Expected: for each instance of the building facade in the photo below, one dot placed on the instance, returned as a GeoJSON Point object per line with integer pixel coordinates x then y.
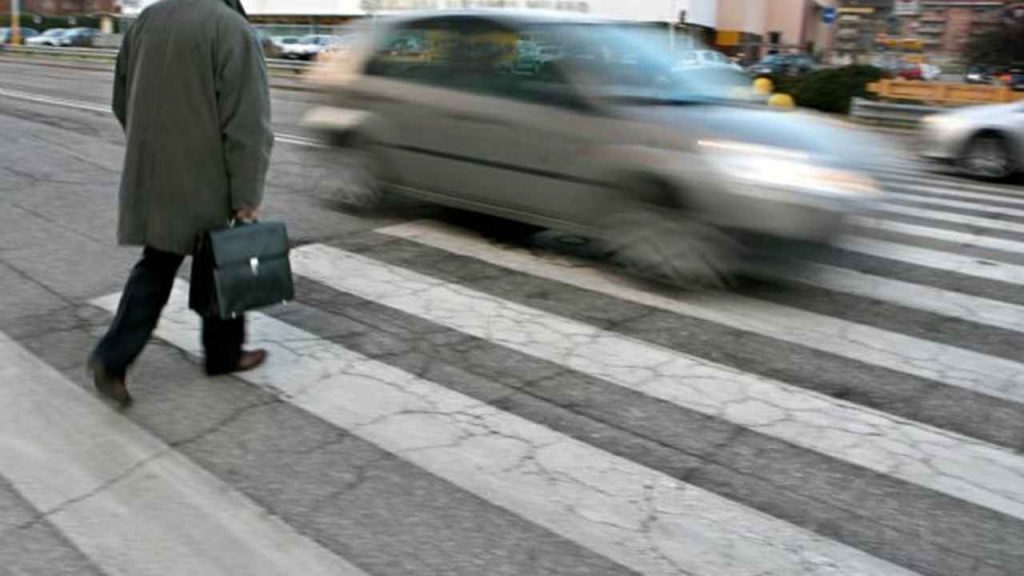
{"type": "Point", "coordinates": [752, 28]}
{"type": "Point", "coordinates": [941, 28]}
{"type": "Point", "coordinates": [946, 26]}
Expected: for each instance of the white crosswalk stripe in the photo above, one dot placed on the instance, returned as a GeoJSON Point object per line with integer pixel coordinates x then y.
{"type": "Point", "coordinates": [946, 203]}
{"type": "Point", "coordinates": [929, 299]}
{"type": "Point", "coordinates": [961, 467]}
{"type": "Point", "coordinates": [131, 503]}
{"type": "Point", "coordinates": [985, 269]}
{"type": "Point", "coordinates": [947, 364]}
{"type": "Point", "coordinates": [645, 520]}
{"type": "Point", "coordinates": [923, 193]}
{"type": "Point", "coordinates": [961, 238]}
{"type": "Point", "coordinates": [953, 217]}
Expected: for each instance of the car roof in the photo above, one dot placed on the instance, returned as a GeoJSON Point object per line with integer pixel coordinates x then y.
{"type": "Point", "coordinates": [515, 16]}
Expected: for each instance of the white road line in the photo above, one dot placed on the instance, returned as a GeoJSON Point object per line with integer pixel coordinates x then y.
{"type": "Point", "coordinates": [980, 373]}
{"type": "Point", "coordinates": [936, 459]}
{"type": "Point", "coordinates": [961, 238]}
{"type": "Point", "coordinates": [935, 259]}
{"type": "Point", "coordinates": [945, 202]}
{"type": "Point", "coordinates": [82, 105]}
{"type": "Point", "coordinates": [917, 296]}
{"type": "Point", "coordinates": [40, 99]}
{"type": "Point", "coordinates": [130, 503]}
{"type": "Point", "coordinates": [943, 216]}
{"type": "Point", "coordinates": [640, 518]}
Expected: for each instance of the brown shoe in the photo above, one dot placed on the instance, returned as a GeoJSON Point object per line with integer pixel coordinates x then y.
{"type": "Point", "coordinates": [248, 360]}
{"type": "Point", "coordinates": [251, 360]}
{"type": "Point", "coordinates": [109, 386]}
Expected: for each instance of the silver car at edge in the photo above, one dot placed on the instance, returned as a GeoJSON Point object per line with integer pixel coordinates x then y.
{"type": "Point", "coordinates": [676, 170]}
{"type": "Point", "coordinates": [983, 141]}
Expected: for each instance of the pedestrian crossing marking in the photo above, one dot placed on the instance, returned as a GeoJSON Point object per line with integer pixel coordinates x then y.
{"type": "Point", "coordinates": [643, 519]}
{"type": "Point", "coordinates": [921, 193]}
{"type": "Point", "coordinates": [917, 296]}
{"type": "Point", "coordinates": [935, 259]}
{"type": "Point", "coordinates": [941, 363]}
{"type": "Point", "coordinates": [952, 217]}
{"type": "Point", "coordinates": [946, 203]}
{"type": "Point", "coordinates": [932, 458]}
{"type": "Point", "coordinates": [129, 502]}
{"type": "Point", "coordinates": [961, 238]}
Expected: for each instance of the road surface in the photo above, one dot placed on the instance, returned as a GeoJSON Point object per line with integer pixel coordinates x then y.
{"type": "Point", "coordinates": [444, 400]}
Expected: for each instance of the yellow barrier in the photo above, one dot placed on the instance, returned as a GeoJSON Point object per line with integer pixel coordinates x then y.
{"type": "Point", "coordinates": [943, 92]}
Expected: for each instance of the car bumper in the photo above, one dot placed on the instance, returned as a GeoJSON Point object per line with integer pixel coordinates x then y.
{"type": "Point", "coordinates": [939, 142]}
{"type": "Point", "coordinates": [783, 213]}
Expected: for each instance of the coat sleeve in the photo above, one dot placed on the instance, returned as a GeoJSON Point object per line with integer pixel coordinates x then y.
{"type": "Point", "coordinates": [120, 100]}
{"type": "Point", "coordinates": [243, 101]}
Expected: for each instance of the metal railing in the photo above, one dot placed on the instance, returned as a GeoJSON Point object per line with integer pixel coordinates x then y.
{"type": "Point", "coordinates": [888, 113]}
{"type": "Point", "coordinates": [110, 55]}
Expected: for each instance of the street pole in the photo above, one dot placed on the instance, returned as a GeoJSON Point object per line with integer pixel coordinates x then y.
{"type": "Point", "coordinates": [16, 22]}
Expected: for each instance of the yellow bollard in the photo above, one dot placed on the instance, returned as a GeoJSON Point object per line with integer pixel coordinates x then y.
{"type": "Point", "coordinates": [784, 101]}
{"type": "Point", "coordinates": [763, 86]}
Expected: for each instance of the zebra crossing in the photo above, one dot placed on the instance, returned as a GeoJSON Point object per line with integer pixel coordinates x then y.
{"type": "Point", "coordinates": [861, 414]}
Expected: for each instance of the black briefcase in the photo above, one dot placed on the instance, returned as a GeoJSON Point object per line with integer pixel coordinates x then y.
{"type": "Point", "coordinates": [241, 268]}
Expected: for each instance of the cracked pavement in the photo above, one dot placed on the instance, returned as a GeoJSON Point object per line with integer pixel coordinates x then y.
{"type": "Point", "coordinates": [448, 399]}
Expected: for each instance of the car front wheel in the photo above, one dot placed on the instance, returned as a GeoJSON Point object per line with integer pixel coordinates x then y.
{"type": "Point", "coordinates": [668, 246]}
{"type": "Point", "coordinates": [987, 156]}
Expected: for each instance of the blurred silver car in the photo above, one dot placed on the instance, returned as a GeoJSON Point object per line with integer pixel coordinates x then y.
{"type": "Point", "coordinates": [982, 141]}
{"type": "Point", "coordinates": [605, 138]}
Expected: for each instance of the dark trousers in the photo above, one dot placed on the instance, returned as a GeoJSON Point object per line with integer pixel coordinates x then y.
{"type": "Point", "coordinates": [145, 295]}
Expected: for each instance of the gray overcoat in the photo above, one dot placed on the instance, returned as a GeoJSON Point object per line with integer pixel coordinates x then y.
{"type": "Point", "coordinates": [191, 93]}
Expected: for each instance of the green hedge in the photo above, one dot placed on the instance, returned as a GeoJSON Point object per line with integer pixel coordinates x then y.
{"type": "Point", "coordinates": [829, 90]}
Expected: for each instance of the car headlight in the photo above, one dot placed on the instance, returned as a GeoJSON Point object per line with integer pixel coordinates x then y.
{"type": "Point", "coordinates": [765, 170]}
{"type": "Point", "coordinates": [940, 121]}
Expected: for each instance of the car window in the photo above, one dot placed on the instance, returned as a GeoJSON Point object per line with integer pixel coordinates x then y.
{"type": "Point", "coordinates": [476, 55]}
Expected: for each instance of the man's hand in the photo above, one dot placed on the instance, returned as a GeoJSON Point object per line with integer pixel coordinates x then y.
{"type": "Point", "coordinates": [247, 214]}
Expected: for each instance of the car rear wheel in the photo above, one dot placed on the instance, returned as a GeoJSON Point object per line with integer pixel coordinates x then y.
{"type": "Point", "coordinates": [668, 246]}
{"type": "Point", "coordinates": [361, 185]}
{"type": "Point", "coordinates": [987, 156]}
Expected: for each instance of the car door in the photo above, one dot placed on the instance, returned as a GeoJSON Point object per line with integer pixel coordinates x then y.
{"type": "Point", "coordinates": [512, 140]}
{"type": "Point", "coordinates": [407, 83]}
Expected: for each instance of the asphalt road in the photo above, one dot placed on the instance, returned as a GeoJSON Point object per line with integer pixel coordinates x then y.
{"type": "Point", "coordinates": [443, 399]}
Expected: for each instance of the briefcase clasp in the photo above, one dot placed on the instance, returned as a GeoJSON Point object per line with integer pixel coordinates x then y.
{"type": "Point", "coordinates": [254, 264]}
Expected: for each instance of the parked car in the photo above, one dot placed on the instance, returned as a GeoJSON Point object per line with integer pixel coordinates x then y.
{"type": "Point", "coordinates": [80, 37]}
{"type": "Point", "coordinates": [705, 58]}
{"type": "Point", "coordinates": [783, 65]}
{"type": "Point", "coordinates": [978, 74]}
{"type": "Point", "coordinates": [982, 141]}
{"type": "Point", "coordinates": [1013, 76]}
{"type": "Point", "coordinates": [7, 35]}
{"type": "Point", "coordinates": [308, 47]}
{"type": "Point", "coordinates": [268, 43]}
{"type": "Point", "coordinates": [908, 71]}
{"type": "Point", "coordinates": [930, 72]}
{"type": "Point", "coordinates": [673, 169]}
{"type": "Point", "coordinates": [52, 37]}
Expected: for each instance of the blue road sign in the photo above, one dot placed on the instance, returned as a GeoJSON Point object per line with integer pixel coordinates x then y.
{"type": "Point", "coordinates": [828, 15]}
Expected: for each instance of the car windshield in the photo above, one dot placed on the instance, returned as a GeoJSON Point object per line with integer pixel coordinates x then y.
{"type": "Point", "coordinates": [636, 63]}
{"type": "Point", "coordinates": [54, 33]}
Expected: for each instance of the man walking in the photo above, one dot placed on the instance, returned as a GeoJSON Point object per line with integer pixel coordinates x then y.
{"type": "Point", "coordinates": [191, 92]}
